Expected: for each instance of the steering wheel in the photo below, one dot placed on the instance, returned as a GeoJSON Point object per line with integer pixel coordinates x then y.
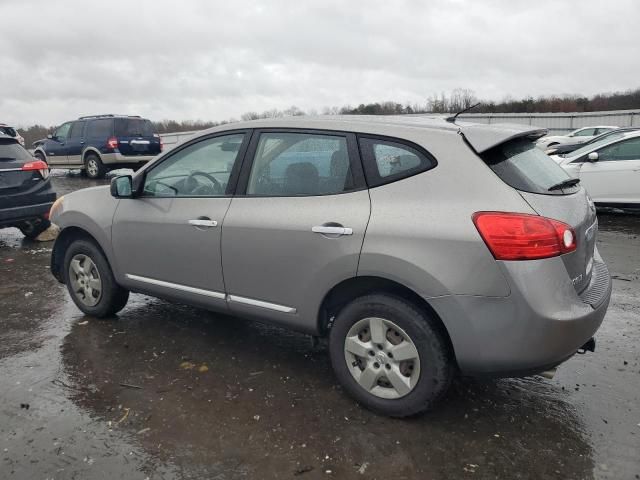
{"type": "Point", "coordinates": [190, 180]}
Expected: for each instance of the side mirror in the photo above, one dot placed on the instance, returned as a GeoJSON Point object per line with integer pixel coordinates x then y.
{"type": "Point", "coordinates": [50, 136]}
{"type": "Point", "coordinates": [593, 157]}
{"type": "Point", "coordinates": [121, 187]}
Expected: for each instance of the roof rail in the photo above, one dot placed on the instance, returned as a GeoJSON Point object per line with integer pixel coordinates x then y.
{"type": "Point", "coordinates": [107, 115]}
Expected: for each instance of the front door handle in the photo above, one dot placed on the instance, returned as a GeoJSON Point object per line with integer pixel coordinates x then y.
{"type": "Point", "coordinates": [202, 222]}
{"type": "Point", "coordinates": [331, 230]}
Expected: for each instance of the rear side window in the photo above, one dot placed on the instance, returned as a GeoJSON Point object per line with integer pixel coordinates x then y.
{"type": "Point", "coordinates": [523, 166]}
{"type": "Point", "coordinates": [289, 164]}
{"type": "Point", "coordinates": [133, 127]}
{"type": "Point", "coordinates": [387, 161]}
{"type": "Point", "coordinates": [100, 128]}
{"type": "Point", "coordinates": [76, 130]}
{"type": "Point", "coordinates": [13, 151]}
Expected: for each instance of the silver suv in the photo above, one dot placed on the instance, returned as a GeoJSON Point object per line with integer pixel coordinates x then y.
{"type": "Point", "coordinates": [421, 248]}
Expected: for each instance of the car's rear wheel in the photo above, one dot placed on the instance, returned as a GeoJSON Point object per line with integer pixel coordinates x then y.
{"type": "Point", "coordinates": [390, 355]}
{"type": "Point", "coordinates": [93, 166]}
{"type": "Point", "coordinates": [90, 280]}
{"type": "Point", "coordinates": [40, 156]}
{"type": "Point", "coordinates": [32, 228]}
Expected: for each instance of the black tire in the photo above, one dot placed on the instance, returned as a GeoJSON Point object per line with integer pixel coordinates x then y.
{"type": "Point", "coordinates": [40, 156]}
{"type": "Point", "coordinates": [93, 166]}
{"type": "Point", "coordinates": [113, 297]}
{"type": "Point", "coordinates": [32, 228]}
{"type": "Point", "coordinates": [436, 361]}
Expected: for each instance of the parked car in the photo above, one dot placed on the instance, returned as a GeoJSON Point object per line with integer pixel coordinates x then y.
{"type": "Point", "coordinates": [99, 143]}
{"type": "Point", "coordinates": [421, 248]}
{"type": "Point", "coordinates": [570, 147]}
{"type": "Point", "coordinates": [580, 135]}
{"type": "Point", "coordinates": [26, 194]}
{"type": "Point", "coordinates": [12, 132]}
{"type": "Point", "coordinates": [609, 169]}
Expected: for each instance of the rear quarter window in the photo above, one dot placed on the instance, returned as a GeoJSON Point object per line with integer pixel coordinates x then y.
{"type": "Point", "coordinates": [100, 128]}
{"type": "Point", "coordinates": [388, 160]}
{"type": "Point", "coordinates": [133, 127]}
{"type": "Point", "coordinates": [523, 166]}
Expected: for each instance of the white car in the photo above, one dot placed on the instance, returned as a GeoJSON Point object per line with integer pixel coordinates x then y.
{"type": "Point", "coordinates": [609, 169]}
{"type": "Point", "coordinates": [577, 136]}
{"type": "Point", "coordinates": [12, 132]}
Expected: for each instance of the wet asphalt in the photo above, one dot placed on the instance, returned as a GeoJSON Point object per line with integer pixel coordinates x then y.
{"type": "Point", "coordinates": [166, 391]}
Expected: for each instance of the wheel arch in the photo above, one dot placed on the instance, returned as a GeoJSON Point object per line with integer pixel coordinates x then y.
{"type": "Point", "coordinates": [40, 150]}
{"type": "Point", "coordinates": [89, 150]}
{"type": "Point", "coordinates": [348, 289]}
{"type": "Point", "coordinates": [65, 238]}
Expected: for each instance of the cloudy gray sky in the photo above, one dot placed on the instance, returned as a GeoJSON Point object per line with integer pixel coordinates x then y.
{"type": "Point", "coordinates": [212, 60]}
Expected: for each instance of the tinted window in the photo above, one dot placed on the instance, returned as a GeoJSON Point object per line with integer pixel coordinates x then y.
{"type": "Point", "coordinates": [625, 150]}
{"type": "Point", "coordinates": [585, 133]}
{"type": "Point", "coordinates": [9, 131]}
{"type": "Point", "coordinates": [13, 151]}
{"type": "Point", "coordinates": [100, 128]}
{"type": "Point", "coordinates": [520, 164]}
{"type": "Point", "coordinates": [63, 131]}
{"type": "Point", "coordinates": [288, 164]}
{"type": "Point", "coordinates": [199, 170]}
{"type": "Point", "coordinates": [387, 161]}
{"type": "Point", "coordinates": [133, 127]}
{"type": "Point", "coordinates": [76, 130]}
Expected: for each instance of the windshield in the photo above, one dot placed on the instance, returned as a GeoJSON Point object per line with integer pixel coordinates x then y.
{"type": "Point", "coordinates": [520, 164]}
{"type": "Point", "coordinates": [597, 144]}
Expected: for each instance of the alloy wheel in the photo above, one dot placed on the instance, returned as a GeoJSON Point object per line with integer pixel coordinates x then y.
{"type": "Point", "coordinates": [85, 280]}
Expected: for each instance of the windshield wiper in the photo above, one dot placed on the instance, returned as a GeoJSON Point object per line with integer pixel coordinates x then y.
{"type": "Point", "coordinates": [569, 182]}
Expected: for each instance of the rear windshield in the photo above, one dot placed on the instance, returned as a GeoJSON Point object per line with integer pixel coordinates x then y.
{"type": "Point", "coordinates": [13, 151]}
{"type": "Point", "coordinates": [9, 131]}
{"type": "Point", "coordinates": [520, 164]}
{"type": "Point", "coordinates": [133, 127]}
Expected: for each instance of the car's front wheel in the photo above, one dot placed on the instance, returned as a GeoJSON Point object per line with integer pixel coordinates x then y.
{"type": "Point", "coordinates": [390, 355]}
{"type": "Point", "coordinates": [90, 280]}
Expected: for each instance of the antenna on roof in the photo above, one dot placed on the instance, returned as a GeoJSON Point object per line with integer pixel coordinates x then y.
{"type": "Point", "coordinates": [452, 119]}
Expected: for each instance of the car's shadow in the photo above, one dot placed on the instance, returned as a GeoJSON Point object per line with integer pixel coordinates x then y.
{"type": "Point", "coordinates": [232, 397]}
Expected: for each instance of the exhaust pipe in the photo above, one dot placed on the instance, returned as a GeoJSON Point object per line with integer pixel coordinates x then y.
{"type": "Point", "coordinates": [549, 374]}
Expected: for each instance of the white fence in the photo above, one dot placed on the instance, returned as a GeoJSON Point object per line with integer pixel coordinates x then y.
{"type": "Point", "coordinates": [560, 122]}
{"type": "Point", "coordinates": [555, 122]}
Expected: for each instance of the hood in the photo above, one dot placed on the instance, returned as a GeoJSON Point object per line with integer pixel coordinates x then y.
{"type": "Point", "coordinates": [482, 137]}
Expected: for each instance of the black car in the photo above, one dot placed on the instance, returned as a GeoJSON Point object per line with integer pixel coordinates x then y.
{"type": "Point", "coordinates": [99, 143]}
{"type": "Point", "coordinates": [26, 194]}
{"type": "Point", "coordinates": [570, 147]}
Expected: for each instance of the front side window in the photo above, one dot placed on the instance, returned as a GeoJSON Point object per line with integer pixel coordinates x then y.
{"type": "Point", "coordinates": [100, 128]}
{"type": "Point", "coordinates": [290, 164]}
{"type": "Point", "coordinates": [625, 150]}
{"type": "Point", "coordinates": [63, 131]}
{"type": "Point", "coordinates": [387, 161]}
{"type": "Point", "coordinates": [202, 169]}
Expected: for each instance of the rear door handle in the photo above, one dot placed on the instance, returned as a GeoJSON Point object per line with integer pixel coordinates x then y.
{"type": "Point", "coordinates": [201, 222]}
{"type": "Point", "coordinates": [332, 230]}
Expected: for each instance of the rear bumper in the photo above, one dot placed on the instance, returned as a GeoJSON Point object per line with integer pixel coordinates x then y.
{"type": "Point", "coordinates": [541, 324]}
{"type": "Point", "coordinates": [14, 215]}
{"type": "Point", "coordinates": [118, 158]}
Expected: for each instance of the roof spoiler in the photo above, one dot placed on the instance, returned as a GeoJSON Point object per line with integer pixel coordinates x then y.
{"type": "Point", "coordinates": [483, 137]}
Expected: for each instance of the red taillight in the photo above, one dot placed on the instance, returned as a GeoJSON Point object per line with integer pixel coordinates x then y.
{"type": "Point", "coordinates": [38, 165]}
{"type": "Point", "coordinates": [519, 236]}
{"type": "Point", "coordinates": [112, 143]}
{"type": "Point", "coordinates": [161, 144]}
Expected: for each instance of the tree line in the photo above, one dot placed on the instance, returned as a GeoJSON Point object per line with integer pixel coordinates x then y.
{"type": "Point", "coordinates": [455, 101]}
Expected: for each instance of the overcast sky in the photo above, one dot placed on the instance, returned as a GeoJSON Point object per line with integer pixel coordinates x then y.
{"type": "Point", "coordinates": [212, 60]}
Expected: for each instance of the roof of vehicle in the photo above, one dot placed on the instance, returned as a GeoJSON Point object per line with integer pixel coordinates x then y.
{"type": "Point", "coordinates": [597, 126]}
{"type": "Point", "coordinates": [625, 135]}
{"type": "Point", "coordinates": [108, 115]}
{"type": "Point", "coordinates": [480, 136]}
